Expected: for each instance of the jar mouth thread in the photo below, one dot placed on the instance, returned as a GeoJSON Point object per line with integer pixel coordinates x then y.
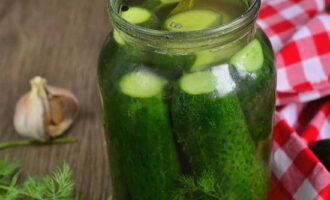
{"type": "Point", "coordinates": [196, 37]}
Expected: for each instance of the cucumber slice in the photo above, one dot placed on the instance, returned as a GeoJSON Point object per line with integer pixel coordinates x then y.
{"type": "Point", "coordinates": [213, 133]}
{"type": "Point", "coordinates": [117, 37]}
{"type": "Point", "coordinates": [136, 15]}
{"type": "Point", "coordinates": [142, 84]}
{"type": "Point", "coordinates": [198, 83]}
{"type": "Point", "coordinates": [192, 20]}
{"type": "Point", "coordinates": [250, 58]}
{"type": "Point", "coordinates": [140, 17]}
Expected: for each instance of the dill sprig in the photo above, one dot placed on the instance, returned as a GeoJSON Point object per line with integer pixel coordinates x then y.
{"type": "Point", "coordinates": [57, 186]}
{"type": "Point", "coordinates": [205, 187]}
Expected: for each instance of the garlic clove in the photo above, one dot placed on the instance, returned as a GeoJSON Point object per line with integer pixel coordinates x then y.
{"type": "Point", "coordinates": [45, 111]}
{"type": "Point", "coordinates": [63, 112]}
{"type": "Point", "coordinates": [29, 114]}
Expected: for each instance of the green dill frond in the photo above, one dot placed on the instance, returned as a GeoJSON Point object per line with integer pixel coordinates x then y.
{"type": "Point", "coordinates": [11, 195]}
{"type": "Point", "coordinates": [7, 170]}
{"type": "Point", "coordinates": [204, 187]}
{"type": "Point", "coordinates": [34, 188]}
{"type": "Point", "coordinates": [207, 182]}
{"type": "Point", "coordinates": [59, 185]}
{"type": "Point", "coordinates": [188, 183]}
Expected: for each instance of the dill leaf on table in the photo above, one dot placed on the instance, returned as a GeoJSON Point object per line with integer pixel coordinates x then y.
{"type": "Point", "coordinates": [7, 170]}
{"type": "Point", "coordinates": [57, 186]}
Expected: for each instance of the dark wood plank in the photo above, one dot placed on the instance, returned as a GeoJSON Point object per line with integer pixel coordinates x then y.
{"type": "Point", "coordinates": [59, 40]}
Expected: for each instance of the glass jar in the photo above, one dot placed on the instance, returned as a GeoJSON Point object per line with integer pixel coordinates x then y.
{"type": "Point", "coordinates": [188, 115]}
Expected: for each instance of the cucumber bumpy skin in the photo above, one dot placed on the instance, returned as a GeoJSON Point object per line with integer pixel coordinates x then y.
{"type": "Point", "coordinates": [141, 141]}
{"type": "Point", "coordinates": [255, 75]}
{"type": "Point", "coordinates": [193, 20]}
{"type": "Point", "coordinates": [213, 134]}
{"type": "Point", "coordinates": [143, 158]}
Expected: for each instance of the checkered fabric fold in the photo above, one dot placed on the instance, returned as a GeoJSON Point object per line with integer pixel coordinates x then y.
{"type": "Point", "coordinates": [300, 34]}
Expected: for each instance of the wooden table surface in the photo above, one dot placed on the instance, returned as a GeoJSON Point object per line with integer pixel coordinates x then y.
{"type": "Point", "coordinates": [59, 40]}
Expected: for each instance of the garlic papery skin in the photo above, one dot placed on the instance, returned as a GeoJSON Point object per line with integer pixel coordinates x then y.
{"type": "Point", "coordinates": [45, 111]}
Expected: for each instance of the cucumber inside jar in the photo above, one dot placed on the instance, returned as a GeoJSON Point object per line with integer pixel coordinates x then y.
{"type": "Point", "coordinates": [254, 73]}
{"type": "Point", "coordinates": [138, 16]}
{"type": "Point", "coordinates": [141, 17]}
{"type": "Point", "coordinates": [157, 5]}
{"type": "Point", "coordinates": [142, 84]}
{"type": "Point", "coordinates": [211, 127]}
{"type": "Point", "coordinates": [184, 21]}
{"type": "Point", "coordinates": [198, 103]}
{"type": "Point", "coordinates": [250, 58]}
{"type": "Point", "coordinates": [193, 20]}
{"type": "Point", "coordinates": [141, 141]}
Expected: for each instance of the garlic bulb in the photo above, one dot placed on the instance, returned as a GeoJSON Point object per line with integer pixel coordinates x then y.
{"type": "Point", "coordinates": [45, 111]}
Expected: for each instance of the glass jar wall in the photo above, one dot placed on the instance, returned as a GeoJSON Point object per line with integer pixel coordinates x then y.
{"type": "Point", "coordinates": [188, 115]}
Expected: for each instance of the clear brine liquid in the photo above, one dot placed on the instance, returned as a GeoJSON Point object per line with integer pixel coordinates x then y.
{"type": "Point", "coordinates": [193, 126]}
{"type": "Point", "coordinates": [228, 9]}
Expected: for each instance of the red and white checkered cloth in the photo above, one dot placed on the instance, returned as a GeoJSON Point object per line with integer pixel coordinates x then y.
{"type": "Point", "coordinates": [300, 34]}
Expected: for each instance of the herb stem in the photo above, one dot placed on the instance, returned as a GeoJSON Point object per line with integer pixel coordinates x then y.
{"type": "Point", "coordinates": [22, 143]}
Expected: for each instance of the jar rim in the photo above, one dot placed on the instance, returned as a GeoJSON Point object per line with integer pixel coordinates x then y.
{"type": "Point", "coordinates": [246, 18]}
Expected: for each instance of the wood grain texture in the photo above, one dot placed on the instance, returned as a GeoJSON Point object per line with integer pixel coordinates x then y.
{"type": "Point", "coordinates": [59, 40]}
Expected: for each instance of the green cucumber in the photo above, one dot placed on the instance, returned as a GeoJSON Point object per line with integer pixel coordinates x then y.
{"type": "Point", "coordinates": [141, 17]}
{"type": "Point", "coordinates": [198, 83]}
{"type": "Point", "coordinates": [161, 7]}
{"type": "Point", "coordinates": [205, 59]}
{"type": "Point", "coordinates": [171, 65]}
{"type": "Point", "coordinates": [140, 137]}
{"type": "Point", "coordinates": [250, 58]}
{"type": "Point", "coordinates": [213, 57]}
{"type": "Point", "coordinates": [159, 4]}
{"type": "Point", "coordinates": [117, 37]}
{"type": "Point", "coordinates": [142, 84]}
{"type": "Point", "coordinates": [192, 20]}
{"type": "Point", "coordinates": [138, 16]}
{"type": "Point", "coordinates": [212, 131]}
{"type": "Point", "coordinates": [112, 57]}
{"type": "Point", "coordinates": [252, 69]}
{"type": "Point", "coordinates": [144, 164]}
